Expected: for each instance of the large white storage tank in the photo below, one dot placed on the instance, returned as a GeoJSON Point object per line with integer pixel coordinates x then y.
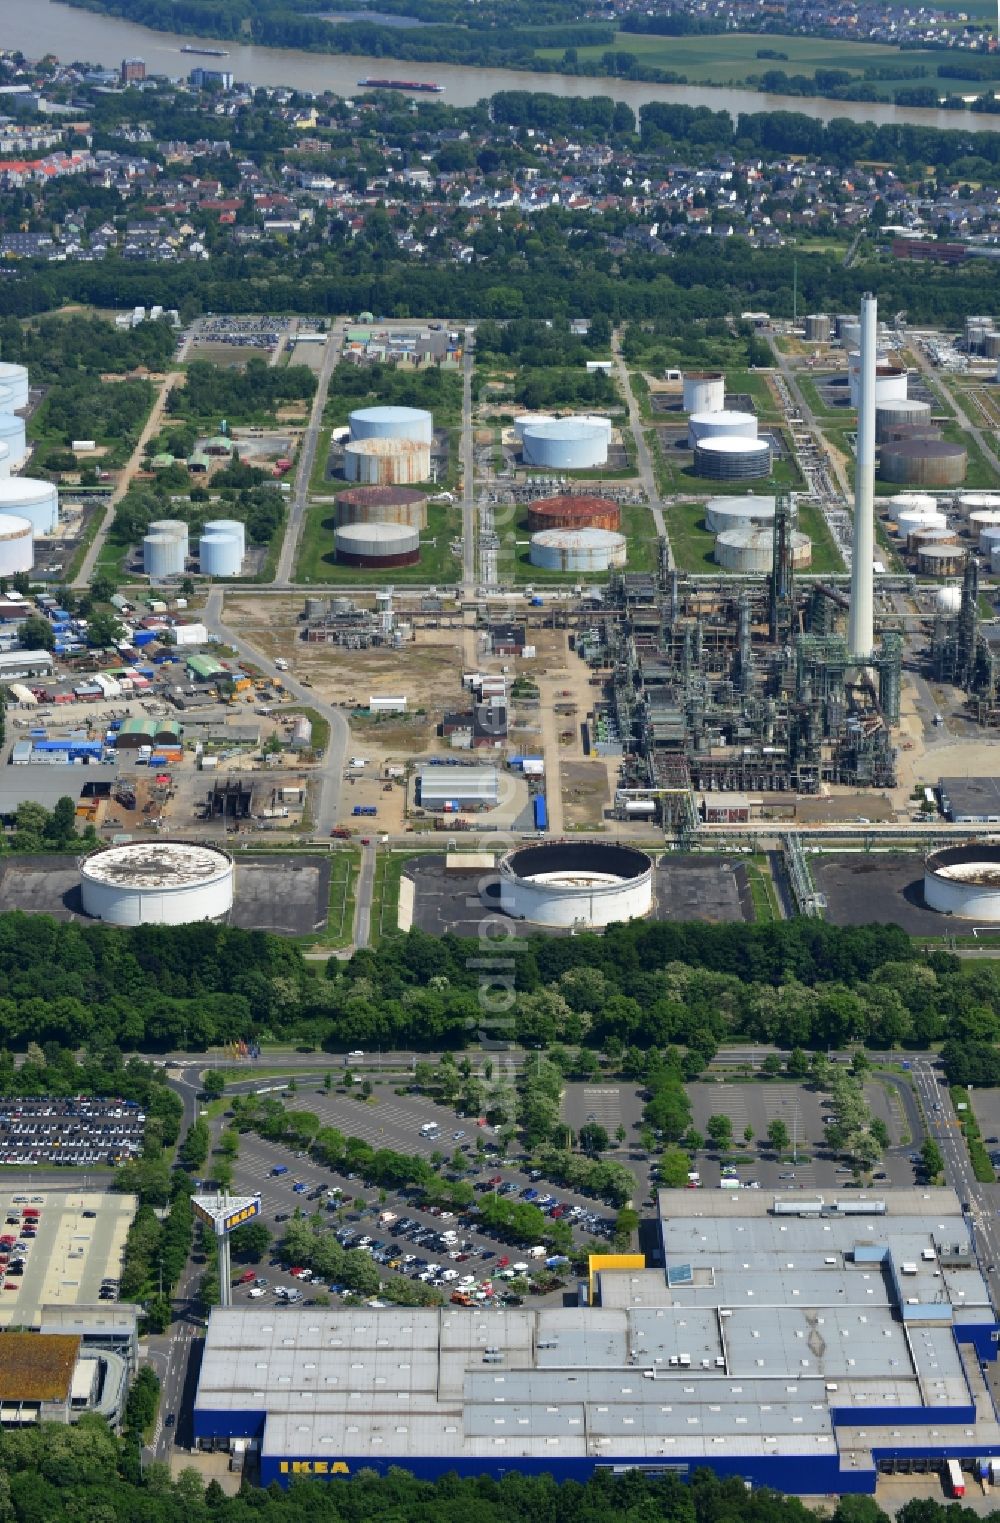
{"type": "Point", "coordinates": [751, 551]}
{"type": "Point", "coordinates": [176, 528]}
{"type": "Point", "coordinates": [909, 522]}
{"type": "Point", "coordinates": [13, 436]}
{"type": "Point", "coordinates": [528, 420]}
{"type": "Point", "coordinates": [723, 513]}
{"type": "Point", "coordinates": [974, 502]}
{"type": "Point", "coordinates": [219, 555]}
{"type": "Point", "coordinates": [17, 546]}
{"type": "Point", "coordinates": [912, 502]}
{"type": "Point", "coordinates": [5, 461]}
{"type": "Point", "coordinates": [378, 545]}
{"type": "Point", "coordinates": [597, 420]}
{"type": "Point", "coordinates": [392, 423]}
{"type": "Point", "coordinates": [568, 444]}
{"type": "Point", "coordinates": [387, 462]}
{"type": "Point", "coordinates": [37, 501]}
{"type": "Point", "coordinates": [982, 519]}
{"type": "Point", "coordinates": [704, 391]}
{"type": "Point", "coordinates": [728, 424]}
{"type": "Point", "coordinates": [964, 881]}
{"type": "Point", "coordinates": [15, 379]}
{"type": "Point", "coordinates": [890, 381]}
{"type": "Point", "coordinates": [731, 458]}
{"type": "Point", "coordinates": [163, 555]}
{"type": "Point", "coordinates": [228, 526]}
{"type": "Point", "coordinates": [577, 549]}
{"type": "Point", "coordinates": [582, 884]}
{"type": "Point", "coordinates": [157, 883]}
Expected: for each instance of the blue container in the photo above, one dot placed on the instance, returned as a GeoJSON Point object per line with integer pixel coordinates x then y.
{"type": "Point", "coordinates": [541, 812]}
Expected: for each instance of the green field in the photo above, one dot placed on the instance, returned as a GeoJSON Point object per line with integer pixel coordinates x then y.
{"type": "Point", "coordinates": [693, 544]}
{"type": "Point", "coordinates": [730, 59]}
{"type": "Point", "coordinates": [316, 561]}
{"type": "Point", "coordinates": [637, 525]}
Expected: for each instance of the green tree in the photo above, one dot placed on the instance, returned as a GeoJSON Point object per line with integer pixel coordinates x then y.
{"type": "Point", "coordinates": [36, 633]}
{"type": "Point", "coordinates": [104, 629]}
{"type": "Point", "coordinates": [720, 1132]}
{"type": "Point", "coordinates": [626, 1226]}
{"type": "Point", "coordinates": [674, 1168]}
{"type": "Point", "coordinates": [777, 1135]}
{"type": "Point", "coordinates": [213, 1084]}
{"type": "Point", "coordinates": [250, 1242]}
{"type": "Point", "coordinates": [771, 1065]}
{"type": "Point", "coordinates": [593, 1138]}
{"type": "Point", "coordinates": [932, 1158]}
{"type": "Point", "coordinates": [748, 1135]}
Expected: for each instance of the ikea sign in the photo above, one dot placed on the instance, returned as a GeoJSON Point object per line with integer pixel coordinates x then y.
{"type": "Point", "coordinates": [314, 1467]}
{"type": "Point", "coordinates": [244, 1214]}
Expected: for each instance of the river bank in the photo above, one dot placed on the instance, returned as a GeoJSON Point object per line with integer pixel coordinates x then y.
{"type": "Point", "coordinates": [77, 35]}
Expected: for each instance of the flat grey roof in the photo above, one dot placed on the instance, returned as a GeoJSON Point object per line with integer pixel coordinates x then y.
{"type": "Point", "coordinates": [971, 798]}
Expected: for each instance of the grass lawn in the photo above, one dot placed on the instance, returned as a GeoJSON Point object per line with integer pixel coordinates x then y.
{"type": "Point", "coordinates": [825, 555]}
{"type": "Point", "coordinates": [344, 866]}
{"type": "Point", "coordinates": [730, 59]}
{"type": "Point", "coordinates": [385, 896]}
{"type": "Point", "coordinates": [320, 726]}
{"type": "Point", "coordinates": [693, 544]}
{"type": "Point", "coordinates": [814, 398]}
{"type": "Point", "coordinates": [762, 891]}
{"type": "Point", "coordinates": [637, 525]}
{"type": "Point", "coordinates": [316, 561]}
{"type": "Point", "coordinates": [753, 383]}
{"type": "Point", "coordinates": [980, 475]}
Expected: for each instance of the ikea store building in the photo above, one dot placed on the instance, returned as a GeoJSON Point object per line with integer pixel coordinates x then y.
{"type": "Point", "coordinates": [800, 1343]}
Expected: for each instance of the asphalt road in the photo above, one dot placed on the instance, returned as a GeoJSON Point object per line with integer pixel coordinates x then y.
{"type": "Point", "coordinates": [307, 455]}
{"type": "Point", "coordinates": [363, 897]}
{"type": "Point", "coordinates": [468, 476]}
{"type": "Point", "coordinates": [644, 464]}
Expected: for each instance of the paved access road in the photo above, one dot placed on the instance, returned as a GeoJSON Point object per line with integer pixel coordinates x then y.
{"type": "Point", "coordinates": [307, 455]}
{"type": "Point", "coordinates": [468, 475]}
{"type": "Point", "coordinates": [644, 464]}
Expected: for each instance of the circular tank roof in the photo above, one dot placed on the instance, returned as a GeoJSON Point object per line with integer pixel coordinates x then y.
{"type": "Point", "coordinates": [924, 449]}
{"type": "Point", "coordinates": [383, 446]}
{"type": "Point", "coordinates": [576, 864]}
{"type": "Point", "coordinates": [578, 539]}
{"type": "Point", "coordinates": [733, 444]}
{"type": "Point", "coordinates": [973, 862]}
{"type": "Point", "coordinates": [572, 506]}
{"type": "Point", "coordinates": [156, 864]}
{"type": "Point", "coordinates": [566, 428]}
{"type": "Point", "coordinates": [724, 418]}
{"type": "Point", "coordinates": [390, 414]}
{"type": "Point", "coordinates": [12, 527]}
{"type": "Point", "coordinates": [26, 489]}
{"type": "Point", "coordinates": [380, 497]}
{"type": "Point", "coordinates": [388, 533]}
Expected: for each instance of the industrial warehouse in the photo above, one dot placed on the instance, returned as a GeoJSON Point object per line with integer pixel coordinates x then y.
{"type": "Point", "coordinates": [799, 1342]}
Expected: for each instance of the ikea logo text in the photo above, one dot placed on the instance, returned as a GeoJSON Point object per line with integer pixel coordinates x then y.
{"type": "Point", "coordinates": [314, 1467]}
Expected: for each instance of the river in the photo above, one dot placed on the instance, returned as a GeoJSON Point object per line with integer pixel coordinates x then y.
{"type": "Point", "coordinates": [44, 26]}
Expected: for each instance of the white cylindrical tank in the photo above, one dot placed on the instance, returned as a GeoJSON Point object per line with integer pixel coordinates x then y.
{"type": "Point", "coordinates": [597, 420]}
{"type": "Point", "coordinates": [973, 502]}
{"type": "Point", "coordinates": [567, 444]}
{"type": "Point", "coordinates": [751, 551]}
{"type": "Point", "coordinates": [157, 883]}
{"type": "Point", "coordinates": [378, 545]}
{"type": "Point", "coordinates": [732, 459]}
{"type": "Point", "coordinates": [989, 537]}
{"type": "Point", "coordinates": [723, 513]}
{"type": "Point", "coordinates": [849, 332]}
{"type": "Point", "coordinates": [912, 502]}
{"type": "Point", "coordinates": [704, 391]}
{"type": "Point", "coordinates": [13, 436]}
{"type": "Point", "coordinates": [392, 423]}
{"type": "Point", "coordinates": [582, 884]}
{"type": "Point", "coordinates": [948, 599]}
{"type": "Point", "coordinates": [38, 501]}
{"type": "Point", "coordinates": [17, 547]}
{"type": "Point", "coordinates": [176, 528]}
{"type": "Point", "coordinates": [965, 881]}
{"type": "Point", "coordinates": [163, 555]}
{"type": "Point", "coordinates": [577, 549]}
{"type": "Point", "coordinates": [909, 522]}
{"type": "Point", "coordinates": [528, 420]}
{"type": "Point", "coordinates": [983, 519]}
{"type": "Point", "coordinates": [228, 526]}
{"type": "Point", "coordinates": [890, 380]}
{"type": "Point", "coordinates": [721, 425]}
{"type": "Point", "coordinates": [5, 461]}
{"type": "Point", "coordinates": [219, 555]}
{"type": "Point", "coordinates": [387, 462]}
{"type": "Point", "coordinates": [15, 378]}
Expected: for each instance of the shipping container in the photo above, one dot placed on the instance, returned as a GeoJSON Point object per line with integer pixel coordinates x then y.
{"type": "Point", "coordinates": [955, 1478]}
{"type": "Point", "coordinates": [541, 812]}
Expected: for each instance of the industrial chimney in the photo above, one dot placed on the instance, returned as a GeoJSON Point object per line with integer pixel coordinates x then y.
{"type": "Point", "coordinates": [861, 620]}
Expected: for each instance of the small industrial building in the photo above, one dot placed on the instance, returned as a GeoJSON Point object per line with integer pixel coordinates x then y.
{"type": "Point", "coordinates": [506, 639]}
{"type": "Point", "coordinates": [448, 788]}
{"type": "Point", "coordinates": [15, 665]}
{"type": "Point", "coordinates": [804, 1342]}
{"type": "Point", "coordinates": [970, 800]}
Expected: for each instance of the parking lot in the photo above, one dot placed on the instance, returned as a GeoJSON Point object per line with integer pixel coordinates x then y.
{"type": "Point", "coordinates": [63, 1253]}
{"type": "Point", "coordinates": [395, 1122]}
{"type": "Point", "coordinates": [78, 1132]}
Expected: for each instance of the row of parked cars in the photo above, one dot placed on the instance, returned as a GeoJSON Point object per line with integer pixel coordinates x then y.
{"type": "Point", "coordinates": [82, 1130]}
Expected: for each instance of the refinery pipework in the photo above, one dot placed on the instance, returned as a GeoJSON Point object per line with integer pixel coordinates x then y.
{"type": "Point", "coordinates": [861, 621]}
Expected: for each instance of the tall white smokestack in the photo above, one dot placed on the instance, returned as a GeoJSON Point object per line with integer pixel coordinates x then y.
{"type": "Point", "coordinates": [861, 623]}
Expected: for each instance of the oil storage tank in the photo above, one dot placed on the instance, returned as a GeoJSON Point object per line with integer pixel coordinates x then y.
{"type": "Point", "coordinates": [930, 534]}
{"type": "Point", "coordinates": [732, 459]}
{"type": "Point", "coordinates": [392, 423]}
{"type": "Point", "coordinates": [17, 547]}
{"type": "Point", "coordinates": [704, 391]}
{"type": "Point", "coordinates": [377, 545]}
{"type": "Point", "coordinates": [228, 526]}
{"type": "Point", "coordinates": [923, 462]}
{"type": "Point", "coordinates": [890, 381]}
{"type": "Point", "coordinates": [965, 881]}
{"type": "Point", "coordinates": [174, 528]}
{"type": "Point", "coordinates": [577, 550]}
{"type": "Point", "coordinates": [15, 379]}
{"type": "Point", "coordinates": [38, 501]}
{"type": "Point", "coordinates": [895, 414]}
{"type": "Point", "coordinates": [13, 436]}
{"type": "Point", "coordinates": [982, 519]}
{"type": "Point", "coordinates": [751, 551]}
{"type": "Point", "coordinates": [721, 425]}
{"type": "Point", "coordinates": [567, 444]}
{"type": "Point", "coordinates": [570, 511]}
{"type": "Point", "coordinates": [723, 513]}
{"type": "Point", "coordinates": [380, 461]}
{"type": "Point", "coordinates": [163, 555]}
{"type": "Point", "coordinates": [219, 555]}
{"type": "Point", "coordinates": [382, 505]}
{"type": "Point", "coordinates": [940, 560]}
{"type": "Point", "coordinates": [972, 502]}
{"type": "Point", "coordinates": [911, 521]}
{"type": "Point", "coordinates": [817, 329]}
{"type": "Point", "coordinates": [582, 884]}
{"type": "Point", "coordinates": [157, 883]}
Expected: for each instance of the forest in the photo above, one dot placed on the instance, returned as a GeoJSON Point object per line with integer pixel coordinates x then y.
{"type": "Point", "coordinates": [251, 395]}
{"type": "Point", "coordinates": [83, 1474]}
{"type": "Point", "coordinates": [800, 983]}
